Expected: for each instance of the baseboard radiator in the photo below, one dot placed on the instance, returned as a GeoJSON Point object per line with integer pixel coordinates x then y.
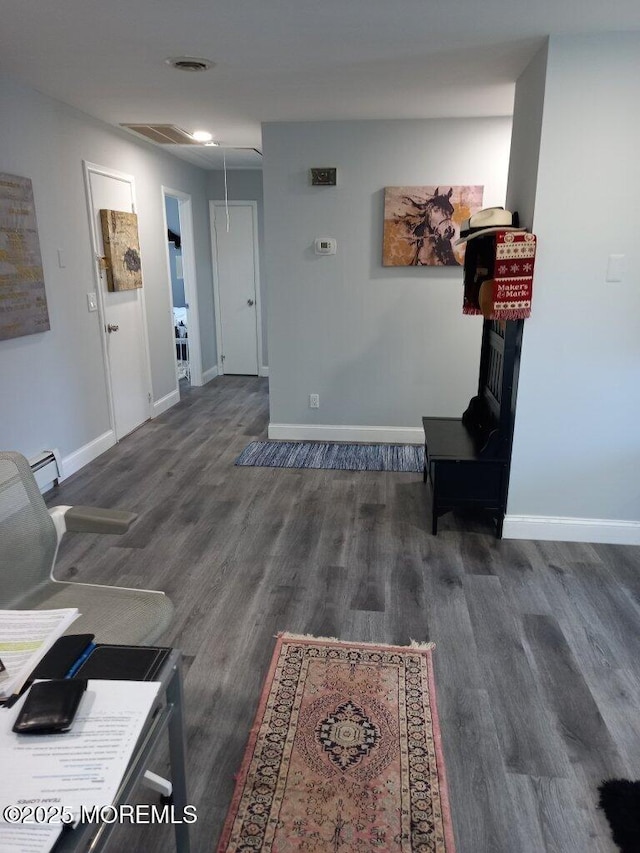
{"type": "Point", "coordinates": [47, 469]}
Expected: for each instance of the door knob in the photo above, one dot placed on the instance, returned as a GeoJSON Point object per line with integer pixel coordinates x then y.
{"type": "Point", "coordinates": [249, 301]}
{"type": "Point", "coordinates": [111, 327]}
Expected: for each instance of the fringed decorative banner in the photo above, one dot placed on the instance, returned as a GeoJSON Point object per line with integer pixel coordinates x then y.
{"type": "Point", "coordinates": [513, 276]}
{"type": "Point", "coordinates": [498, 280]}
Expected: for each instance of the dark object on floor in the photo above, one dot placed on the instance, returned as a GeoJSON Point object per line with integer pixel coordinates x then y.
{"type": "Point", "coordinates": [620, 801]}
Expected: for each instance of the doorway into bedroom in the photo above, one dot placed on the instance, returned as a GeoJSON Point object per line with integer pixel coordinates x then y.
{"type": "Point", "coordinates": [180, 261]}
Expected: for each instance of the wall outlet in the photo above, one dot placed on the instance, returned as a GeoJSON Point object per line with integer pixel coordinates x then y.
{"type": "Point", "coordinates": [314, 401]}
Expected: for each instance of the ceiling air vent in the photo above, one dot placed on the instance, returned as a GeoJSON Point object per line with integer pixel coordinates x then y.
{"type": "Point", "coordinates": [189, 63]}
{"type": "Point", "coordinates": [162, 134]}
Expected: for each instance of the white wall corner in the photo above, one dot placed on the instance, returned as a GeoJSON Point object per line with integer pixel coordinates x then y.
{"type": "Point", "coordinates": [558, 529]}
{"type": "Point", "coordinates": [166, 402]}
{"type": "Point", "coordinates": [330, 432]}
{"type": "Point", "coordinates": [208, 375]}
{"type": "Point", "coordinates": [79, 458]}
{"type": "Point", "coordinates": [263, 370]}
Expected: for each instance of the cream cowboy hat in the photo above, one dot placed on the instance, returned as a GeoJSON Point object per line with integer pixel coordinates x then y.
{"type": "Point", "coordinates": [488, 221]}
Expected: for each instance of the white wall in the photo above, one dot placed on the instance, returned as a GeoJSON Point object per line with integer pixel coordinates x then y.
{"type": "Point", "coordinates": [525, 139]}
{"type": "Point", "coordinates": [52, 385]}
{"type": "Point", "coordinates": [381, 346]}
{"type": "Point", "coordinates": [246, 185]}
{"type": "Point", "coordinates": [576, 452]}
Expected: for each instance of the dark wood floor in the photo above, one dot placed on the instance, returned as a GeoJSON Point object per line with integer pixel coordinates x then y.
{"type": "Point", "coordinates": [537, 644]}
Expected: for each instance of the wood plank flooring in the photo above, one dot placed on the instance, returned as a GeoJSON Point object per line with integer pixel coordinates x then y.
{"type": "Point", "coordinates": [537, 644]}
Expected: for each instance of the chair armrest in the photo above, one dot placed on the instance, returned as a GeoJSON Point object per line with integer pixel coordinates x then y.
{"type": "Point", "coordinates": [90, 519]}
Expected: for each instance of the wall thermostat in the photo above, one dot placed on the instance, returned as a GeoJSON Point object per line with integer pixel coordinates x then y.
{"type": "Point", "coordinates": [325, 246]}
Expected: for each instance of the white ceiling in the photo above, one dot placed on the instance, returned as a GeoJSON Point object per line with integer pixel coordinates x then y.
{"type": "Point", "coordinates": [286, 60]}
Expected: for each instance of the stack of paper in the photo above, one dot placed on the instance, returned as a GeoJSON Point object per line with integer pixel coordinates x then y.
{"type": "Point", "coordinates": [82, 767]}
{"type": "Point", "coordinates": [28, 838]}
{"type": "Point", "coordinates": [25, 637]}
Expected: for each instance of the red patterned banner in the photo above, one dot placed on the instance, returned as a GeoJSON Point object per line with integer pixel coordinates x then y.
{"type": "Point", "coordinates": [513, 276]}
{"type": "Point", "coordinates": [507, 295]}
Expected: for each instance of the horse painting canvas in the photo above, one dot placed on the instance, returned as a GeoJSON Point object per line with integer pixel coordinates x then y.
{"type": "Point", "coordinates": [421, 224]}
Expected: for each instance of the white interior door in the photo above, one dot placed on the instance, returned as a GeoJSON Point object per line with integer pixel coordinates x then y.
{"type": "Point", "coordinates": [235, 254]}
{"type": "Point", "coordinates": [122, 312]}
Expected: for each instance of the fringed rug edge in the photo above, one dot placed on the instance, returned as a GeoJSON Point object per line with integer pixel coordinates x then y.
{"type": "Point", "coordinates": [413, 644]}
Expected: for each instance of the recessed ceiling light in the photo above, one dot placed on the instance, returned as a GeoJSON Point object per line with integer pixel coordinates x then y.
{"type": "Point", "coordinates": [189, 63]}
{"type": "Point", "coordinates": [202, 135]}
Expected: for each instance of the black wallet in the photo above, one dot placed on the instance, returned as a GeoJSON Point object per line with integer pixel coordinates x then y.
{"type": "Point", "coordinates": [61, 657]}
{"type": "Point", "coordinates": [50, 706]}
{"type": "Point", "coordinates": [124, 663]}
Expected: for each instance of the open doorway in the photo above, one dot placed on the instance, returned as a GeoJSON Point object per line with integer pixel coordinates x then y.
{"type": "Point", "coordinates": [181, 272]}
{"type": "Point", "coordinates": [178, 298]}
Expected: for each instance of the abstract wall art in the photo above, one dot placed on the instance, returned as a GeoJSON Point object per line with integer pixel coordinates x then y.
{"type": "Point", "coordinates": [121, 249]}
{"type": "Point", "coordinates": [23, 301]}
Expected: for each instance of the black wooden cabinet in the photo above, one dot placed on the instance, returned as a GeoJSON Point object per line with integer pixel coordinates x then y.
{"type": "Point", "coordinates": [467, 459]}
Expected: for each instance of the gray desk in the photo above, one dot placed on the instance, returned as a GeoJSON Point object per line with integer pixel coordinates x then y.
{"type": "Point", "coordinates": [167, 715]}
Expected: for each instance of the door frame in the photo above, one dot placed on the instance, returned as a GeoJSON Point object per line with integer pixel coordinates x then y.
{"type": "Point", "coordinates": [216, 280]}
{"type": "Point", "coordinates": [87, 169]}
{"type": "Point", "coordinates": [185, 212]}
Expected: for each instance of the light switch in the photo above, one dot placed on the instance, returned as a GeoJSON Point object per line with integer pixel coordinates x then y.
{"type": "Point", "coordinates": [92, 302]}
{"type": "Point", "coordinates": [616, 267]}
{"type": "Point", "coordinates": [62, 263]}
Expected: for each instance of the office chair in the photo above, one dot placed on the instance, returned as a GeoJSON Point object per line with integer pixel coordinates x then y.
{"type": "Point", "coordinates": [29, 539]}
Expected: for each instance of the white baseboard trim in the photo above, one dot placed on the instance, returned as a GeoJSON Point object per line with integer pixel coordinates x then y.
{"type": "Point", "coordinates": [329, 432]}
{"type": "Point", "coordinates": [166, 402]}
{"type": "Point", "coordinates": [208, 375]}
{"type": "Point", "coordinates": [263, 370]}
{"type": "Point", "coordinates": [558, 529]}
{"type": "Point", "coordinates": [79, 458]}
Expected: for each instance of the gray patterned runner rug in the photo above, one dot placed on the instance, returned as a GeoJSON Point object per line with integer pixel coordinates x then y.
{"type": "Point", "coordinates": [407, 458]}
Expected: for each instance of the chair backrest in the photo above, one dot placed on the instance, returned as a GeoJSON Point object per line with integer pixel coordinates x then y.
{"type": "Point", "coordinates": [28, 538]}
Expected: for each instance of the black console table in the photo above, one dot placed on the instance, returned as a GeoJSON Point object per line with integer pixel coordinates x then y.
{"type": "Point", "coordinates": [467, 459]}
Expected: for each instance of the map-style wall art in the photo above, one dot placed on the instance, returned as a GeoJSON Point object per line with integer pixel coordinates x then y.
{"type": "Point", "coordinates": [23, 301]}
{"type": "Point", "coordinates": [121, 249]}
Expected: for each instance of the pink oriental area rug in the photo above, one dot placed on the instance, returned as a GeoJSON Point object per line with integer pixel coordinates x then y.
{"type": "Point", "coordinates": [344, 755]}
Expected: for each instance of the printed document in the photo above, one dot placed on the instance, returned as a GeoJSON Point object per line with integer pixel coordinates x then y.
{"type": "Point", "coordinates": [18, 838]}
{"type": "Point", "coordinates": [84, 766]}
{"type": "Point", "coordinates": [25, 637]}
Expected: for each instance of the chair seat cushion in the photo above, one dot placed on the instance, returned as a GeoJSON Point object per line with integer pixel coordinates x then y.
{"type": "Point", "coordinates": [113, 614]}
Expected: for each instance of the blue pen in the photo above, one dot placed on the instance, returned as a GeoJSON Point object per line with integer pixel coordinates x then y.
{"type": "Point", "coordinates": [85, 654]}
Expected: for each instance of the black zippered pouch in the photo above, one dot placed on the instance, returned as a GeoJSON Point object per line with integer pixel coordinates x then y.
{"type": "Point", "coordinates": [50, 706]}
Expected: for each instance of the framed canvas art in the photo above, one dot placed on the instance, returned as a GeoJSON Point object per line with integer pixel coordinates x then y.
{"type": "Point", "coordinates": [23, 301]}
{"type": "Point", "coordinates": [121, 249]}
{"type": "Point", "coordinates": [422, 224]}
